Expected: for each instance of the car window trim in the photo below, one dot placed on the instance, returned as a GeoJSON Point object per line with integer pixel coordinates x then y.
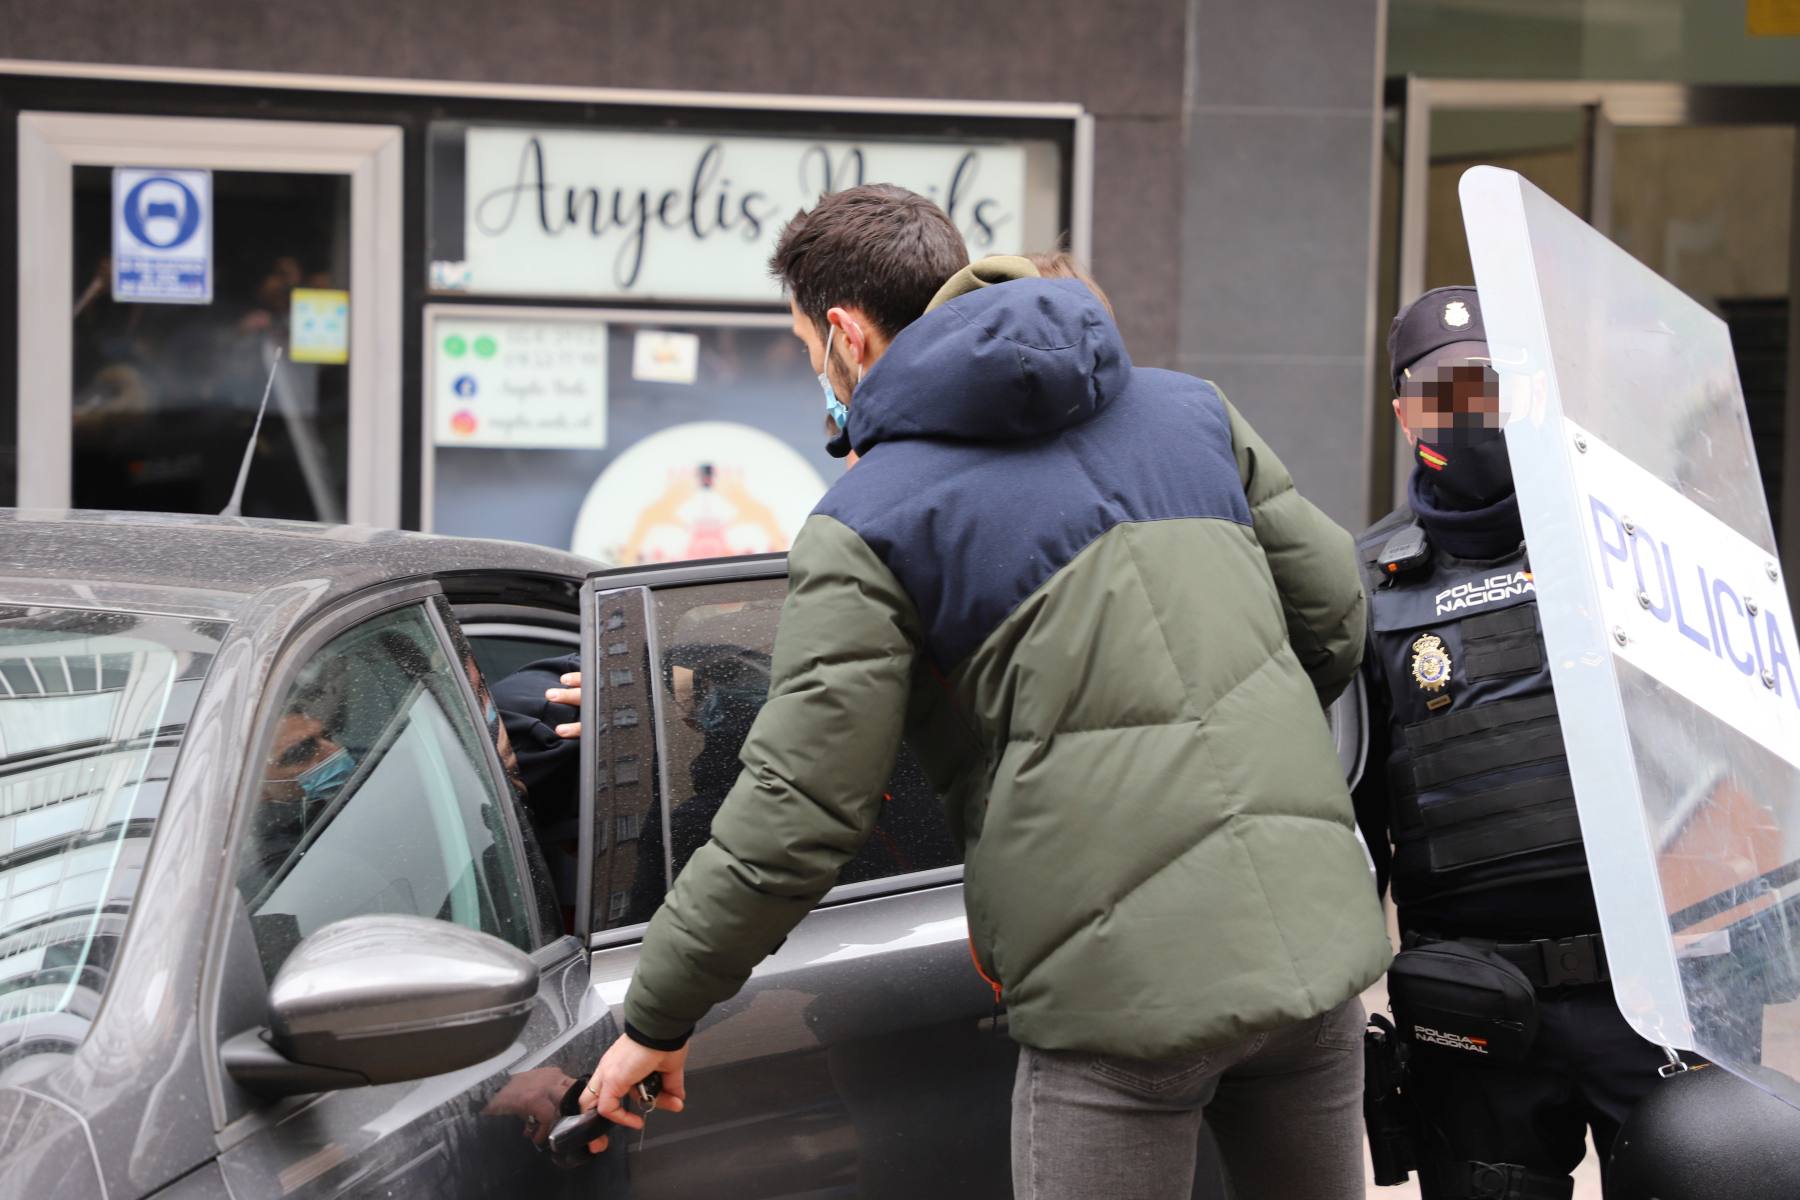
{"type": "Point", "coordinates": [510, 804]}
{"type": "Point", "coordinates": [659, 735]}
{"type": "Point", "coordinates": [586, 804]}
{"type": "Point", "coordinates": [887, 885]}
{"type": "Point", "coordinates": [476, 612]}
{"type": "Point", "coordinates": [843, 893]}
{"type": "Point", "coordinates": [523, 633]}
{"type": "Point", "coordinates": [711, 570]}
{"type": "Point", "coordinates": [290, 660]}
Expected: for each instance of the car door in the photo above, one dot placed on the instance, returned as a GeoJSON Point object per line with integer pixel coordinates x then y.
{"type": "Point", "coordinates": [377, 785]}
{"type": "Point", "coordinates": [866, 1057]}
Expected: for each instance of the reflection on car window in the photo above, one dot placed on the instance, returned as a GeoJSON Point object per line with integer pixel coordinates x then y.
{"type": "Point", "coordinates": [553, 919]}
{"type": "Point", "coordinates": [628, 845]}
{"type": "Point", "coordinates": [376, 797]}
{"type": "Point", "coordinates": [93, 706]}
{"type": "Point", "coordinates": [717, 641]}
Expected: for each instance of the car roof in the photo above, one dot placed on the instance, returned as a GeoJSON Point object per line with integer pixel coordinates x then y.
{"type": "Point", "coordinates": [213, 567]}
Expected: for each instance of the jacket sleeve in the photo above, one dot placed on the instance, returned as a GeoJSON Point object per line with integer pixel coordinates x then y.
{"type": "Point", "coordinates": [814, 769]}
{"type": "Point", "coordinates": [1313, 561]}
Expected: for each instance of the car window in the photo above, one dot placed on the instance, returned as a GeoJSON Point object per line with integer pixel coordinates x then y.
{"type": "Point", "coordinates": [93, 709]}
{"type": "Point", "coordinates": [376, 797]}
{"type": "Point", "coordinates": [713, 674]}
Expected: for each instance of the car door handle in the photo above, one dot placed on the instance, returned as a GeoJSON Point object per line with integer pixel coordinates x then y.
{"type": "Point", "coordinates": [570, 1136]}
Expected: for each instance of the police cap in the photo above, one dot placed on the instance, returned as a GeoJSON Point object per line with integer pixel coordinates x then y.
{"type": "Point", "coordinates": [1440, 319]}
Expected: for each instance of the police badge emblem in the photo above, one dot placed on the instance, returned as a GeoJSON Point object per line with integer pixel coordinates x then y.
{"type": "Point", "coordinates": [1456, 314]}
{"type": "Point", "coordinates": [1431, 663]}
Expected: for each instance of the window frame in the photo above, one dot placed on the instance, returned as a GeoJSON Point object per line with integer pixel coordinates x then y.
{"type": "Point", "coordinates": [647, 582]}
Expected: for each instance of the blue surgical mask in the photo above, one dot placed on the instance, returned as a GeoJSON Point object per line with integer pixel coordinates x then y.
{"type": "Point", "coordinates": [321, 781]}
{"type": "Point", "coordinates": [836, 409]}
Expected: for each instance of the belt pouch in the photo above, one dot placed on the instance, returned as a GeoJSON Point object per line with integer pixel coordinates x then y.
{"type": "Point", "coordinates": [1462, 999]}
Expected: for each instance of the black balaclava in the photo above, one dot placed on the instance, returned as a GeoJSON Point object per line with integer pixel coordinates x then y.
{"type": "Point", "coordinates": [1466, 464]}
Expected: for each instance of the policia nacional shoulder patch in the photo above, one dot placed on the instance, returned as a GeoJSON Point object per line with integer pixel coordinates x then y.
{"type": "Point", "coordinates": [1431, 664]}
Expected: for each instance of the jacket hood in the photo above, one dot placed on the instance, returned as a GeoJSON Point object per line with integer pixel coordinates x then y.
{"type": "Point", "coordinates": [1013, 362]}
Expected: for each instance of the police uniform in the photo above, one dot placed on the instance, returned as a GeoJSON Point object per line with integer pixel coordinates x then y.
{"type": "Point", "coordinates": [1467, 804]}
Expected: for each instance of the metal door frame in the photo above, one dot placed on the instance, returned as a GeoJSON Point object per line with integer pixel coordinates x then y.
{"type": "Point", "coordinates": [52, 145]}
{"type": "Point", "coordinates": [1609, 107]}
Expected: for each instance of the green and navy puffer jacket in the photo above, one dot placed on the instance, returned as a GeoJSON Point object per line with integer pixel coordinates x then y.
{"type": "Point", "coordinates": [1095, 601]}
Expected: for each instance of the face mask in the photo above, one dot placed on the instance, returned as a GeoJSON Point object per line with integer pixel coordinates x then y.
{"type": "Point", "coordinates": [1468, 467]}
{"type": "Point", "coordinates": [836, 409]}
{"type": "Point", "coordinates": [322, 780]}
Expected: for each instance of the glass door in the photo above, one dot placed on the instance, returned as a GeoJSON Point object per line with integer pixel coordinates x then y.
{"type": "Point", "coordinates": [176, 269]}
{"type": "Point", "coordinates": [1696, 182]}
{"type": "Point", "coordinates": [1710, 208]}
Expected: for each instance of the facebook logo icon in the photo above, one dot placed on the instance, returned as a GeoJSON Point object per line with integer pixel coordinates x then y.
{"type": "Point", "coordinates": [162, 236]}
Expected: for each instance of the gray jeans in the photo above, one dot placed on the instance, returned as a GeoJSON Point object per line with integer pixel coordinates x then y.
{"type": "Point", "coordinates": [1285, 1107]}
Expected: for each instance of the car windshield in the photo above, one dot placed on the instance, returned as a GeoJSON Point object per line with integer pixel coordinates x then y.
{"type": "Point", "coordinates": [93, 706]}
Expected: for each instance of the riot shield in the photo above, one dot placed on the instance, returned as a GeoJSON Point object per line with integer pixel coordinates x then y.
{"type": "Point", "coordinates": [1666, 619]}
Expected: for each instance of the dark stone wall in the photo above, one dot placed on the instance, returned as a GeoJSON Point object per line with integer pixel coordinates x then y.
{"type": "Point", "coordinates": [1278, 220]}
{"type": "Point", "coordinates": [1122, 60]}
{"type": "Point", "coordinates": [1233, 198]}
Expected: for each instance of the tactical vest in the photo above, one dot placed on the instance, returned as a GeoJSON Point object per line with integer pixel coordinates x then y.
{"type": "Point", "coordinates": [1478, 787]}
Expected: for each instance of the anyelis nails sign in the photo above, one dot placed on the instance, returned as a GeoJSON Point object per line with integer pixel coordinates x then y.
{"type": "Point", "coordinates": [676, 216]}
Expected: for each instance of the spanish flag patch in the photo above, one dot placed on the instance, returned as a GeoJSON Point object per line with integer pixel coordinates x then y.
{"type": "Point", "coordinates": [1431, 458]}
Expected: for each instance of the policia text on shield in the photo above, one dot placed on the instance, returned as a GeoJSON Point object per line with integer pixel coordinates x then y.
{"type": "Point", "coordinates": [1513, 1047]}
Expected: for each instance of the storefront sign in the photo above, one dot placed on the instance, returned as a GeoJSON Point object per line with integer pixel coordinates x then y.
{"type": "Point", "coordinates": [319, 326]}
{"type": "Point", "coordinates": [689, 216]}
{"type": "Point", "coordinates": [162, 236]}
{"type": "Point", "coordinates": [709, 489]}
{"type": "Point", "coordinates": [519, 382]}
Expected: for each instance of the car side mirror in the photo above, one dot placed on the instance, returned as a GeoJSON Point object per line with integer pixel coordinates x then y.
{"type": "Point", "coordinates": [382, 999]}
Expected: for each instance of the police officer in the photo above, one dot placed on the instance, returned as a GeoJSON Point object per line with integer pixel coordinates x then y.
{"type": "Point", "coordinates": [1515, 1048]}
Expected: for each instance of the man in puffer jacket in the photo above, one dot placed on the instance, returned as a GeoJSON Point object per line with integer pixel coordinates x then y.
{"type": "Point", "coordinates": [1110, 623]}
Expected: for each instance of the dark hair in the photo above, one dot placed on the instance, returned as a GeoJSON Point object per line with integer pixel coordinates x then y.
{"type": "Point", "coordinates": [1060, 264]}
{"type": "Point", "coordinates": [877, 247]}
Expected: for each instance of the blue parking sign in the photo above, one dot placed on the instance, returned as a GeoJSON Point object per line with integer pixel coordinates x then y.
{"type": "Point", "coordinates": [162, 236]}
